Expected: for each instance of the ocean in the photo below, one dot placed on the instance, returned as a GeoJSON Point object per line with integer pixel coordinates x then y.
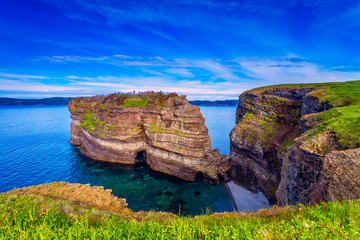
{"type": "Point", "coordinates": [34, 149]}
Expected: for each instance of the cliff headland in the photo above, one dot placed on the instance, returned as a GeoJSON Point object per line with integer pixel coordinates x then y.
{"type": "Point", "coordinates": [296, 143]}
{"type": "Point", "coordinates": [168, 131]}
{"type": "Point", "coordinates": [299, 143]}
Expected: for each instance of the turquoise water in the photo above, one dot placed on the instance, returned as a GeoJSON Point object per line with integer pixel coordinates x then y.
{"type": "Point", "coordinates": [34, 149]}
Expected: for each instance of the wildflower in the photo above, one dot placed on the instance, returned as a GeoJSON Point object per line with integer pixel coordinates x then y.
{"type": "Point", "coordinates": [264, 233]}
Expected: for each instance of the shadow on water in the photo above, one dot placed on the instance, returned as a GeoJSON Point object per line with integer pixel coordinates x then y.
{"type": "Point", "coordinates": [146, 189]}
{"type": "Point", "coordinates": [141, 157]}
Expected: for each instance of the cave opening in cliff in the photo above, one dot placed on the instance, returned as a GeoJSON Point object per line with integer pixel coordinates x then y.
{"type": "Point", "coordinates": [199, 176]}
{"type": "Point", "coordinates": [141, 157]}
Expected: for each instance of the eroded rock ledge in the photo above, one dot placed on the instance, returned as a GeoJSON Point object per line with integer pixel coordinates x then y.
{"type": "Point", "coordinates": [299, 143]}
{"type": "Point", "coordinates": [168, 130]}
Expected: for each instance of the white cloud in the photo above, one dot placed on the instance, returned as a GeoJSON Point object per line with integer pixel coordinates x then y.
{"type": "Point", "coordinates": [278, 70]}
{"type": "Point", "coordinates": [121, 56]}
{"type": "Point", "coordinates": [21, 76]}
{"type": "Point", "coordinates": [182, 72]}
{"type": "Point", "coordinates": [181, 67]}
{"type": "Point", "coordinates": [218, 69]}
{"type": "Point", "coordinates": [13, 85]}
{"type": "Point", "coordinates": [223, 90]}
{"type": "Point", "coordinates": [185, 67]}
{"type": "Point", "coordinates": [215, 79]}
{"type": "Point", "coordinates": [65, 59]}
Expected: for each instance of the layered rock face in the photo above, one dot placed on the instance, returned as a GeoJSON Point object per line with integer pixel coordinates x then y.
{"type": "Point", "coordinates": [298, 144]}
{"type": "Point", "coordinates": [168, 130]}
{"type": "Point", "coordinates": [266, 120]}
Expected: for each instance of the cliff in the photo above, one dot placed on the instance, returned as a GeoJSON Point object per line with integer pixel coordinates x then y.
{"type": "Point", "coordinates": [299, 143]}
{"type": "Point", "coordinates": [165, 128]}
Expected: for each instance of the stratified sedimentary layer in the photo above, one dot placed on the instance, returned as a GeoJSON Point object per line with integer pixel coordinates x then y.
{"type": "Point", "coordinates": [299, 143]}
{"type": "Point", "coordinates": [168, 130]}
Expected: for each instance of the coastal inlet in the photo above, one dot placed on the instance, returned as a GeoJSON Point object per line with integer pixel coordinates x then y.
{"type": "Point", "coordinates": [42, 154]}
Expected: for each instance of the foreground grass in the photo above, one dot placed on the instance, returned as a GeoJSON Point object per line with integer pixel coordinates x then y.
{"type": "Point", "coordinates": [26, 215]}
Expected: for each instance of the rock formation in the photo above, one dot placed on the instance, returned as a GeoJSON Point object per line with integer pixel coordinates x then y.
{"type": "Point", "coordinates": [168, 130]}
{"type": "Point", "coordinates": [299, 143]}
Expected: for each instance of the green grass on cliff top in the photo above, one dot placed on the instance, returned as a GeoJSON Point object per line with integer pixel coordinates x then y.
{"type": "Point", "coordinates": [135, 102]}
{"type": "Point", "coordinates": [343, 120]}
{"type": "Point", "coordinates": [33, 217]}
{"type": "Point", "coordinates": [344, 123]}
{"type": "Point", "coordinates": [140, 99]}
{"type": "Point", "coordinates": [336, 93]}
{"type": "Point", "coordinates": [340, 94]}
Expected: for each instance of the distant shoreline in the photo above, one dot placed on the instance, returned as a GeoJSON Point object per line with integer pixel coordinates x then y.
{"type": "Point", "coordinates": [55, 101]}
{"type": "Point", "coordinates": [63, 101]}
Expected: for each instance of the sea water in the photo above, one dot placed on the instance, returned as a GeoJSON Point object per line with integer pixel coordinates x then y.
{"type": "Point", "coordinates": [35, 149]}
{"type": "Point", "coordinates": [220, 120]}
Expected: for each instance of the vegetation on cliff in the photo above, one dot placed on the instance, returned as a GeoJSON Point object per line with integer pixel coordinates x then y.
{"type": "Point", "coordinates": [288, 137]}
{"type": "Point", "coordinates": [95, 105]}
{"type": "Point", "coordinates": [51, 212]}
{"type": "Point", "coordinates": [166, 127]}
{"type": "Point", "coordinates": [343, 119]}
{"type": "Point", "coordinates": [140, 99]}
{"type": "Point", "coordinates": [342, 99]}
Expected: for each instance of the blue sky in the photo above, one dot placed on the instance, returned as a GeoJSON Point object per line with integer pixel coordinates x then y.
{"type": "Point", "coordinates": [204, 49]}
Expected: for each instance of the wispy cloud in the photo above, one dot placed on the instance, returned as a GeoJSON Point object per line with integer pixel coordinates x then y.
{"type": "Point", "coordinates": [21, 76]}
{"type": "Point", "coordinates": [197, 78]}
{"type": "Point", "coordinates": [121, 56]}
{"type": "Point", "coordinates": [222, 90]}
{"type": "Point", "coordinates": [67, 59]}
{"type": "Point", "coordinates": [219, 70]}
{"type": "Point", "coordinates": [117, 59]}
{"type": "Point", "coordinates": [13, 85]}
{"type": "Point", "coordinates": [292, 70]}
{"type": "Point", "coordinates": [181, 67]}
{"type": "Point", "coordinates": [164, 12]}
{"type": "Point", "coordinates": [182, 72]}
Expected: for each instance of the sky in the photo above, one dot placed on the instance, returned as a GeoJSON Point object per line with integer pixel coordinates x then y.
{"type": "Point", "coordinates": [205, 49]}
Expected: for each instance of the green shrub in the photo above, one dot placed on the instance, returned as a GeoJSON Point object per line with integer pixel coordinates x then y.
{"type": "Point", "coordinates": [88, 122]}
{"type": "Point", "coordinates": [135, 102]}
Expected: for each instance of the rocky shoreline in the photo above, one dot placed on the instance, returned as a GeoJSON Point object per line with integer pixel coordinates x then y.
{"type": "Point", "coordinates": [294, 143]}
{"type": "Point", "coordinates": [165, 127]}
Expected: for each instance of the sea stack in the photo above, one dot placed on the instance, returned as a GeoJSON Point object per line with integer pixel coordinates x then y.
{"type": "Point", "coordinates": [165, 128]}
{"type": "Point", "coordinates": [299, 143]}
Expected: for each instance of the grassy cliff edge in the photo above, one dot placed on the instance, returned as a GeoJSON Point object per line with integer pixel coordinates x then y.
{"type": "Point", "coordinates": [66, 211]}
{"type": "Point", "coordinates": [343, 117]}
{"type": "Point", "coordinates": [75, 211]}
{"type": "Point", "coordinates": [299, 143]}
